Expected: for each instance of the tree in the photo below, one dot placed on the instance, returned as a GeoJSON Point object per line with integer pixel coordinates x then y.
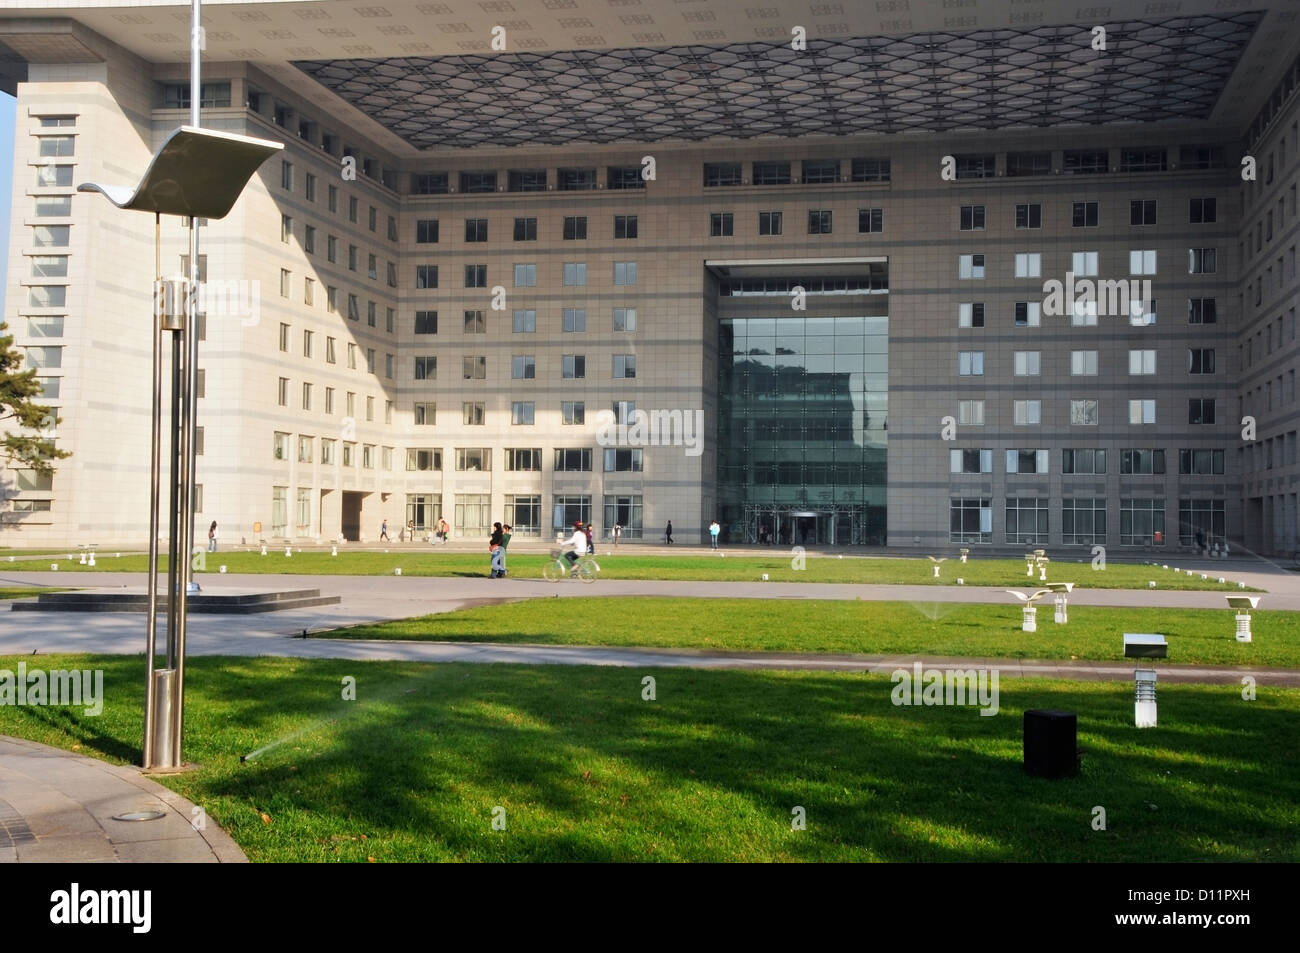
{"type": "Point", "coordinates": [17, 388]}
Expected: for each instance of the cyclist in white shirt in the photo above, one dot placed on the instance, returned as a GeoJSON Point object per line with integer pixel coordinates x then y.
{"type": "Point", "coordinates": [578, 542]}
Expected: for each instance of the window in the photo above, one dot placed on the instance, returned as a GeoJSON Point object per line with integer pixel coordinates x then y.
{"type": "Point", "coordinates": [624, 365]}
{"type": "Point", "coordinates": [970, 314]}
{"type": "Point", "coordinates": [1200, 360]}
{"type": "Point", "coordinates": [625, 319]}
{"type": "Point", "coordinates": [624, 272]}
{"type": "Point", "coordinates": [426, 413]}
{"type": "Point", "coordinates": [326, 450]}
{"type": "Point", "coordinates": [1142, 262]}
{"type": "Point", "coordinates": [1142, 160]}
{"type": "Point", "coordinates": [390, 319]}
{"type": "Point", "coordinates": [1200, 462]}
{"type": "Point", "coordinates": [306, 450]}
{"type": "Point", "coordinates": [282, 392]}
{"type": "Point", "coordinates": [307, 338]}
{"type": "Point", "coordinates": [624, 411]}
{"type": "Point", "coordinates": [388, 365]}
{"type": "Point", "coordinates": [521, 412]}
{"type": "Point", "coordinates": [284, 283]}
{"type": "Point", "coordinates": [1084, 413]}
{"type": "Point", "coordinates": [526, 180]}
{"type": "Point", "coordinates": [353, 206]}
{"type": "Point", "coordinates": [1202, 211]}
{"type": "Point", "coordinates": [971, 520]}
{"type": "Point", "coordinates": [426, 368]}
{"type": "Point", "coordinates": [47, 296]}
{"type": "Point", "coordinates": [426, 231]}
{"type": "Point", "coordinates": [49, 326]}
{"type": "Point", "coordinates": [1142, 212]}
{"type": "Point", "coordinates": [1141, 362]}
{"type": "Point", "coordinates": [819, 222]}
{"type": "Point", "coordinates": [284, 337]}
{"type": "Point", "coordinates": [870, 170]}
{"type": "Point", "coordinates": [1028, 314]}
{"type": "Point", "coordinates": [423, 458]}
{"type": "Point", "coordinates": [771, 173]}
{"type": "Point", "coordinates": [371, 314]}
{"type": "Point", "coordinates": [54, 176]}
{"type": "Point", "coordinates": [476, 276]}
{"type": "Point", "coordinates": [49, 266]}
{"type": "Point", "coordinates": [1029, 265]}
{"type": "Point", "coordinates": [623, 461]}
{"type": "Point", "coordinates": [625, 226]}
{"type": "Point", "coordinates": [523, 367]}
{"type": "Point", "coordinates": [1083, 522]}
{"type": "Point", "coordinates": [525, 229]}
{"type": "Point", "coordinates": [280, 446]}
{"type": "Point", "coordinates": [279, 510]}
{"type": "Point", "coordinates": [970, 461]}
{"type": "Point", "coordinates": [1026, 520]}
{"type": "Point", "coordinates": [572, 461]}
{"type": "Point", "coordinates": [869, 220]}
{"type": "Point", "coordinates": [1141, 412]}
{"type": "Point", "coordinates": [525, 321]}
{"type": "Point", "coordinates": [970, 363]}
{"type": "Point", "coordinates": [1028, 461]}
{"type": "Point", "coordinates": [329, 400]}
{"type": "Point", "coordinates": [370, 408]}
{"type": "Point", "coordinates": [972, 218]}
{"type": "Point", "coordinates": [769, 223]}
{"type": "Point", "coordinates": [624, 177]}
{"type": "Point", "coordinates": [1201, 261]}
{"type": "Point", "coordinates": [721, 174]}
{"type": "Point", "coordinates": [1083, 461]}
{"type": "Point", "coordinates": [429, 183]}
{"type": "Point", "coordinates": [332, 198]}
{"type": "Point", "coordinates": [1027, 363]}
{"type": "Point", "coordinates": [1084, 263]}
{"type": "Point", "coordinates": [475, 183]}
{"type": "Point", "coordinates": [1200, 410]}
{"type": "Point", "coordinates": [970, 412]}
{"type": "Point", "coordinates": [354, 309]}
{"type": "Point", "coordinates": [981, 166]}
{"type": "Point", "coordinates": [970, 266]}
{"type": "Point", "coordinates": [1201, 157]}
{"type": "Point", "coordinates": [59, 122]}
{"type": "Point", "coordinates": [472, 414]}
{"type": "Point", "coordinates": [54, 206]}
{"type": "Point", "coordinates": [574, 319]}
{"type": "Point", "coordinates": [820, 171]}
{"type": "Point", "coordinates": [1029, 163]}
{"type": "Point", "coordinates": [525, 276]}
{"type": "Point", "coordinates": [426, 322]}
{"type": "Point", "coordinates": [523, 460]}
{"type": "Point", "coordinates": [575, 274]}
{"type": "Point", "coordinates": [426, 276]}
{"type": "Point", "coordinates": [1029, 215]}
{"type": "Point", "coordinates": [474, 367]}
{"type": "Point", "coordinates": [575, 228]}
{"type": "Point", "coordinates": [572, 412]}
{"type": "Point", "coordinates": [1085, 162]}
{"type": "Point", "coordinates": [39, 358]}
{"type": "Point", "coordinates": [573, 366]}
{"type": "Point", "coordinates": [721, 224]}
{"type": "Point", "coordinates": [1026, 413]}
{"type": "Point", "coordinates": [1204, 517]}
{"type": "Point", "coordinates": [1083, 363]}
{"type": "Point", "coordinates": [392, 237]}
{"type": "Point", "coordinates": [372, 268]}
{"type": "Point", "coordinates": [1141, 522]}
{"type": "Point", "coordinates": [350, 403]}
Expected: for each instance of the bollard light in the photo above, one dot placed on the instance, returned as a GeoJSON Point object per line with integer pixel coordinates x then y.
{"type": "Point", "coordinates": [961, 581]}
{"type": "Point", "coordinates": [1144, 698]}
{"type": "Point", "coordinates": [54, 567]}
{"type": "Point", "coordinates": [82, 562]}
{"type": "Point", "coordinates": [91, 561]}
{"type": "Point", "coordinates": [1029, 616]}
{"type": "Point", "coordinates": [765, 577]}
{"type": "Point", "coordinates": [288, 551]}
{"type": "Point", "coordinates": [397, 571]}
{"type": "Point", "coordinates": [334, 550]}
{"type": "Point", "coordinates": [223, 569]}
{"type": "Point", "coordinates": [263, 550]}
{"type": "Point", "coordinates": [1151, 584]}
{"type": "Point", "coordinates": [1222, 580]}
{"type": "Point", "coordinates": [1243, 605]}
{"type": "Point", "coordinates": [1062, 605]}
{"type": "Point", "coordinates": [1241, 585]}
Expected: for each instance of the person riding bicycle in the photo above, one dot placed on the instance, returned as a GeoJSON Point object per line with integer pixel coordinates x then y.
{"type": "Point", "coordinates": [578, 542]}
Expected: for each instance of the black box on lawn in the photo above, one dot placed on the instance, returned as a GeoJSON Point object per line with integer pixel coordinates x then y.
{"type": "Point", "coordinates": [1051, 743]}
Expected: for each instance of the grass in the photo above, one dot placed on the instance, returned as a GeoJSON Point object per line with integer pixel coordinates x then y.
{"type": "Point", "coordinates": [741, 568]}
{"type": "Point", "coordinates": [1196, 636]}
{"type": "Point", "coordinates": [709, 771]}
{"type": "Point", "coordinates": [24, 592]}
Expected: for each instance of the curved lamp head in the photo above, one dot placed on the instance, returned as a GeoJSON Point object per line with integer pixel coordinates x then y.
{"type": "Point", "coordinates": [195, 172]}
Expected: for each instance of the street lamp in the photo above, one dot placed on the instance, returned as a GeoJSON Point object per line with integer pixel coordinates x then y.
{"type": "Point", "coordinates": [196, 173]}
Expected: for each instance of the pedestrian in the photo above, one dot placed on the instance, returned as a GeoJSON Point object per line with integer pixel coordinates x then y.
{"type": "Point", "coordinates": [618, 531]}
{"type": "Point", "coordinates": [714, 530]}
{"type": "Point", "coordinates": [494, 547]}
{"type": "Point", "coordinates": [506, 532]}
{"type": "Point", "coordinates": [668, 533]}
{"type": "Point", "coordinates": [443, 529]}
{"type": "Point", "coordinates": [591, 544]}
{"type": "Point", "coordinates": [212, 537]}
{"type": "Point", "coordinates": [383, 532]}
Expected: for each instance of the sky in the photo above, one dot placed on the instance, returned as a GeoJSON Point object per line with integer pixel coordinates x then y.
{"type": "Point", "coordinates": [8, 117]}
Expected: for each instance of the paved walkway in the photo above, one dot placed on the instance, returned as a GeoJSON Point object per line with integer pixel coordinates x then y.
{"type": "Point", "coordinates": [57, 806]}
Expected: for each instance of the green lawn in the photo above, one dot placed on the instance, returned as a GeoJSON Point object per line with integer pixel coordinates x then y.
{"type": "Point", "coordinates": [1196, 636]}
{"type": "Point", "coordinates": [23, 592]}
{"type": "Point", "coordinates": [779, 568]}
{"type": "Point", "coordinates": [710, 771]}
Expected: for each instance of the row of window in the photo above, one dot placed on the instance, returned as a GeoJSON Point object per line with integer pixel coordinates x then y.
{"type": "Point", "coordinates": [1083, 521]}
{"type": "Point", "coordinates": [1085, 412]}
{"type": "Point", "coordinates": [468, 459]}
{"type": "Point", "coordinates": [1078, 461]}
{"type": "Point", "coordinates": [1084, 264]}
{"type": "Point", "coordinates": [524, 367]}
{"type": "Point", "coordinates": [984, 165]}
{"type": "Point", "coordinates": [1141, 362]}
{"type": "Point", "coordinates": [1029, 314]}
{"type": "Point", "coordinates": [973, 218]}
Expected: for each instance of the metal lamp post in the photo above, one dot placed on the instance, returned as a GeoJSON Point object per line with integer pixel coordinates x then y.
{"type": "Point", "coordinates": [196, 173]}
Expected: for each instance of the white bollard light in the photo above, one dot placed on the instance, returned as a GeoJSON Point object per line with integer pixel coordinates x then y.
{"type": "Point", "coordinates": [54, 567]}
{"type": "Point", "coordinates": [91, 561]}
{"type": "Point", "coordinates": [263, 550]}
{"type": "Point", "coordinates": [1241, 585]}
{"type": "Point", "coordinates": [1029, 570]}
{"type": "Point", "coordinates": [1222, 580]}
{"type": "Point", "coordinates": [961, 581]}
{"type": "Point", "coordinates": [82, 562]}
{"type": "Point", "coordinates": [936, 572]}
{"type": "Point", "coordinates": [1204, 577]}
{"type": "Point", "coordinates": [1062, 614]}
{"type": "Point", "coordinates": [765, 577]}
{"type": "Point", "coordinates": [223, 569]}
{"type": "Point", "coordinates": [397, 571]}
{"type": "Point", "coordinates": [1029, 620]}
{"type": "Point", "coordinates": [1042, 574]}
{"type": "Point", "coordinates": [1151, 584]}
{"type": "Point", "coordinates": [334, 550]}
{"type": "Point", "coordinates": [288, 551]}
{"type": "Point", "coordinates": [1144, 698]}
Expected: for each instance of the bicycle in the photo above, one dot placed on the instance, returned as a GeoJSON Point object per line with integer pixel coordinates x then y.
{"type": "Point", "coordinates": [585, 568]}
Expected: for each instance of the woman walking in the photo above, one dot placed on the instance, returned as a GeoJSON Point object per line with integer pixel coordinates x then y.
{"type": "Point", "coordinates": [212, 537]}
{"type": "Point", "coordinates": [495, 547]}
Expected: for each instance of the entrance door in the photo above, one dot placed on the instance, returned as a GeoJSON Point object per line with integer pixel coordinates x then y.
{"type": "Point", "coordinates": [352, 516]}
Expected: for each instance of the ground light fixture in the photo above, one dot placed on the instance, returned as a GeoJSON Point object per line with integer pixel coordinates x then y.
{"type": "Point", "coordinates": [1144, 698]}
{"type": "Point", "coordinates": [1061, 591]}
{"type": "Point", "coordinates": [196, 173]}
{"type": "Point", "coordinates": [1029, 618]}
{"type": "Point", "coordinates": [1243, 605]}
